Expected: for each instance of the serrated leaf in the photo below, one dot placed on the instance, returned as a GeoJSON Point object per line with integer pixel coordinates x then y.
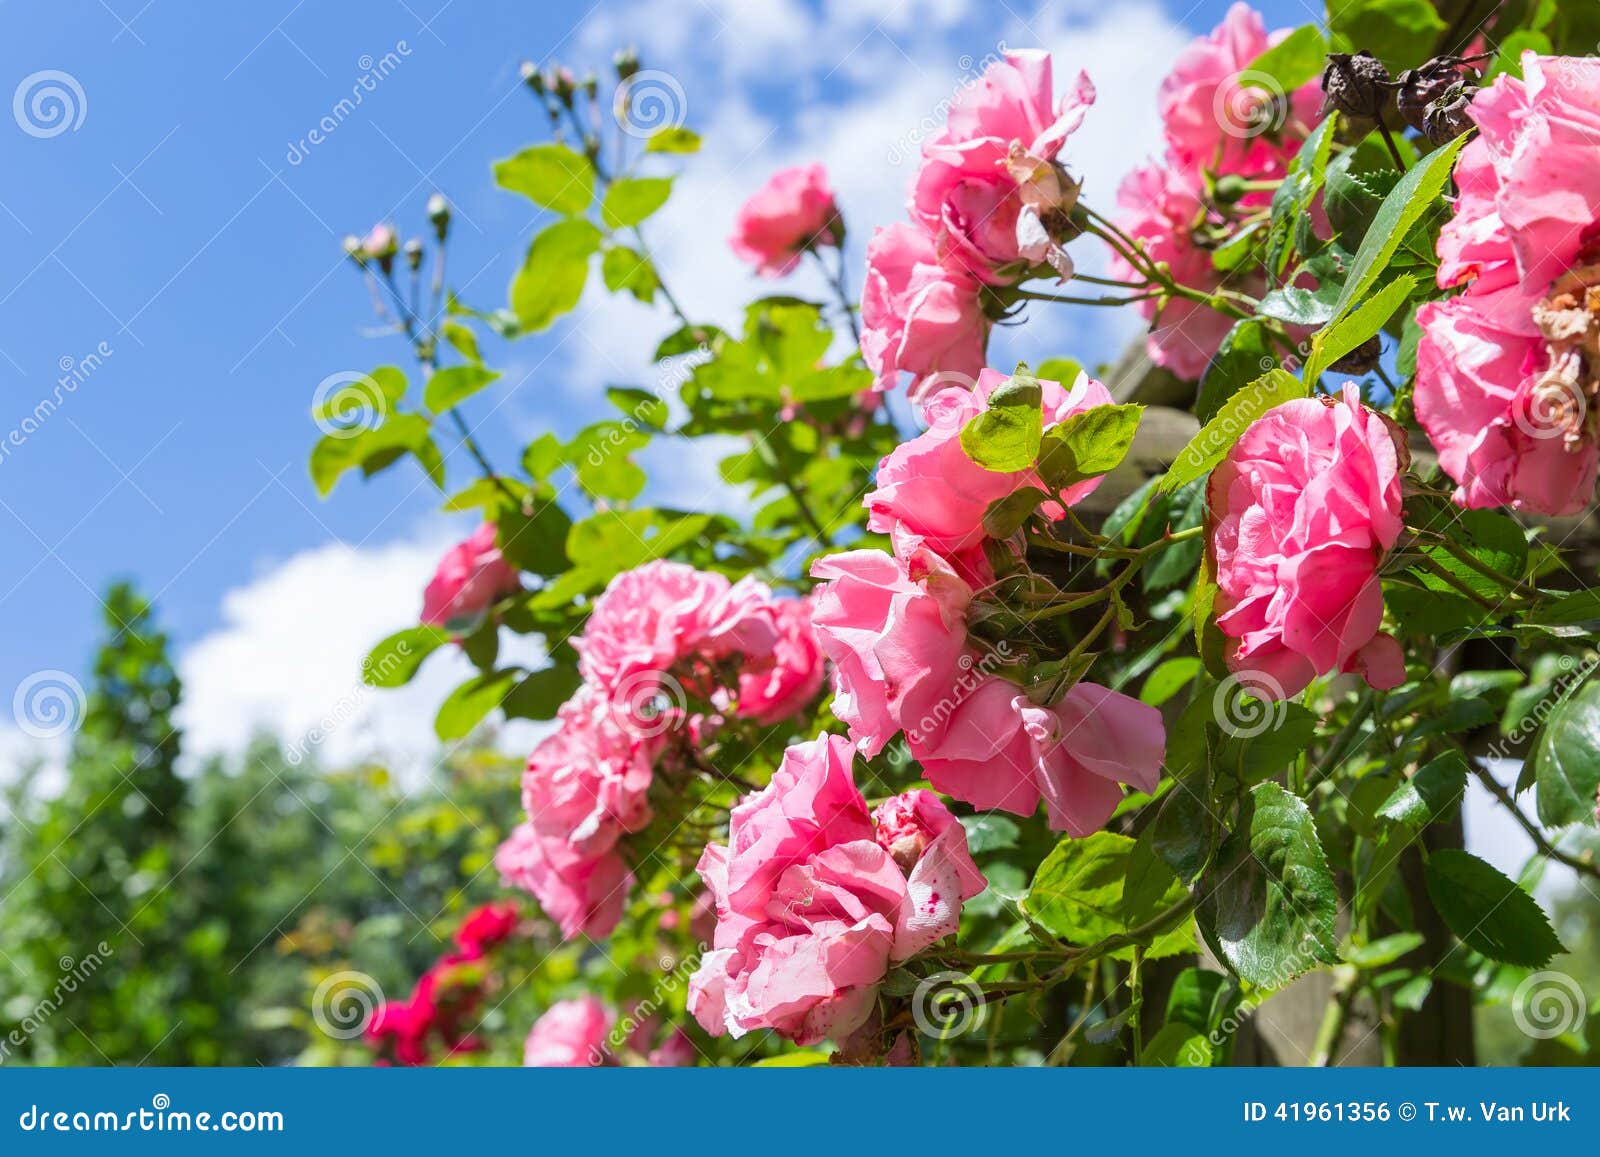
{"type": "Point", "coordinates": [1487, 911]}
{"type": "Point", "coordinates": [1268, 904]}
{"type": "Point", "coordinates": [1245, 354]}
{"type": "Point", "coordinates": [1433, 793]}
{"type": "Point", "coordinates": [625, 269]}
{"type": "Point", "coordinates": [1216, 437]}
{"type": "Point", "coordinates": [1293, 61]}
{"type": "Point", "coordinates": [1005, 437]}
{"type": "Point", "coordinates": [552, 277]}
{"type": "Point", "coordinates": [1566, 759]}
{"type": "Point", "coordinates": [1360, 324]}
{"type": "Point", "coordinates": [1088, 444]}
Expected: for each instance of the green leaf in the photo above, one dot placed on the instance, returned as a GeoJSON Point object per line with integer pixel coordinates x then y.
{"type": "Point", "coordinates": [1006, 436]}
{"type": "Point", "coordinates": [1487, 911]}
{"type": "Point", "coordinates": [1401, 33]}
{"type": "Point", "coordinates": [631, 199]}
{"type": "Point", "coordinates": [1293, 61]}
{"type": "Point", "coordinates": [1216, 437]}
{"type": "Point", "coordinates": [1178, 1045]}
{"type": "Point", "coordinates": [462, 340]}
{"type": "Point", "coordinates": [673, 140]}
{"type": "Point", "coordinates": [1244, 355]}
{"type": "Point", "coordinates": [374, 450]}
{"type": "Point", "coordinates": [361, 395]}
{"type": "Point", "coordinates": [465, 707]}
{"type": "Point", "coordinates": [540, 694]}
{"type": "Point", "coordinates": [640, 405]}
{"type": "Point", "coordinates": [989, 832]}
{"type": "Point", "coordinates": [1198, 996]}
{"type": "Point", "coordinates": [553, 176]}
{"type": "Point", "coordinates": [628, 270]}
{"type": "Point", "coordinates": [1268, 905]}
{"type": "Point", "coordinates": [1352, 199]}
{"type": "Point", "coordinates": [1168, 679]}
{"type": "Point", "coordinates": [1566, 759]}
{"type": "Point", "coordinates": [1416, 194]}
{"type": "Point", "coordinates": [537, 542]}
{"type": "Point", "coordinates": [1577, 607]}
{"type": "Point", "coordinates": [1306, 307]}
{"type": "Point", "coordinates": [1078, 894]}
{"type": "Point", "coordinates": [449, 387]}
{"type": "Point", "coordinates": [1087, 445]}
{"type": "Point", "coordinates": [394, 661]}
{"type": "Point", "coordinates": [1005, 515]}
{"type": "Point", "coordinates": [1433, 793]}
{"type": "Point", "coordinates": [1356, 327]}
{"type": "Point", "coordinates": [551, 279]}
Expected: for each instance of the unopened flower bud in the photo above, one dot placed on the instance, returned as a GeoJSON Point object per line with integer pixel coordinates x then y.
{"type": "Point", "coordinates": [532, 77]}
{"type": "Point", "coordinates": [439, 214]}
{"type": "Point", "coordinates": [414, 254]}
{"type": "Point", "coordinates": [591, 86]}
{"type": "Point", "coordinates": [563, 83]}
{"type": "Point", "coordinates": [353, 250]}
{"type": "Point", "coordinates": [380, 245]}
{"type": "Point", "coordinates": [626, 63]}
{"type": "Point", "coordinates": [1357, 84]}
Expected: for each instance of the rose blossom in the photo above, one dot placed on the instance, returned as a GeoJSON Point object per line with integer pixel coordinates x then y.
{"type": "Point", "coordinates": [917, 316]}
{"type": "Point", "coordinates": [997, 748]}
{"type": "Point", "coordinates": [485, 926]}
{"type": "Point", "coordinates": [1159, 206]}
{"type": "Point", "coordinates": [791, 213]}
{"type": "Point", "coordinates": [896, 632]}
{"type": "Point", "coordinates": [570, 1034]}
{"type": "Point", "coordinates": [1508, 373]}
{"type": "Point", "coordinates": [1214, 119]}
{"type": "Point", "coordinates": [769, 693]}
{"type": "Point", "coordinates": [583, 894]}
{"type": "Point", "coordinates": [930, 489]}
{"type": "Point", "coordinates": [471, 578]}
{"type": "Point", "coordinates": [652, 616]}
{"type": "Point", "coordinates": [812, 911]}
{"type": "Point", "coordinates": [1304, 508]}
{"type": "Point", "coordinates": [989, 180]}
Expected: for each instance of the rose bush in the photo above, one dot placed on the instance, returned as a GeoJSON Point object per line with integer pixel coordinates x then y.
{"type": "Point", "coordinates": [1244, 657]}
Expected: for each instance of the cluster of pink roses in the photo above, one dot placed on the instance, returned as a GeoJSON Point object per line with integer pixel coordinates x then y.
{"type": "Point", "coordinates": [990, 206]}
{"type": "Point", "coordinates": [817, 897]}
{"type": "Point", "coordinates": [1508, 373]}
{"type": "Point", "coordinates": [895, 627]}
{"type": "Point", "coordinates": [435, 1013]}
{"type": "Point", "coordinates": [583, 1032]}
{"type": "Point", "coordinates": [1215, 125]}
{"type": "Point", "coordinates": [660, 636]}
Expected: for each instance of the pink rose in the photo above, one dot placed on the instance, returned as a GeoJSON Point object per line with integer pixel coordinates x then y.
{"type": "Point", "coordinates": [930, 489]}
{"type": "Point", "coordinates": [896, 632]}
{"type": "Point", "coordinates": [1507, 380]}
{"type": "Point", "coordinates": [774, 691]}
{"type": "Point", "coordinates": [999, 749]}
{"type": "Point", "coordinates": [1305, 507]}
{"type": "Point", "coordinates": [652, 616]}
{"type": "Point", "coordinates": [967, 195]}
{"type": "Point", "coordinates": [471, 578]}
{"type": "Point", "coordinates": [676, 1052]}
{"type": "Point", "coordinates": [1214, 120]}
{"type": "Point", "coordinates": [811, 910]}
{"type": "Point", "coordinates": [587, 781]}
{"type": "Point", "coordinates": [584, 894]}
{"type": "Point", "coordinates": [916, 316]}
{"type": "Point", "coordinates": [1159, 206]}
{"type": "Point", "coordinates": [570, 1034]}
{"type": "Point", "coordinates": [794, 211]}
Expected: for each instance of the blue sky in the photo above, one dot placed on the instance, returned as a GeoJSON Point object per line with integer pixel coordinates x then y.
{"type": "Point", "coordinates": [170, 233]}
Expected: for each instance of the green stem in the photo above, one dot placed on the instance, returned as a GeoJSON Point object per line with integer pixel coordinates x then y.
{"type": "Point", "coordinates": [1334, 1018]}
{"type": "Point", "coordinates": [1450, 579]}
{"type": "Point", "coordinates": [1136, 1005]}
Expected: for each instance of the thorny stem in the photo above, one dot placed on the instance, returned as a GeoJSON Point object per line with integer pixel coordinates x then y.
{"type": "Point", "coordinates": [1137, 559]}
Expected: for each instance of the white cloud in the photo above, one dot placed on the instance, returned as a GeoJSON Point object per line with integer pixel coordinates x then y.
{"type": "Point", "coordinates": [286, 660]}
